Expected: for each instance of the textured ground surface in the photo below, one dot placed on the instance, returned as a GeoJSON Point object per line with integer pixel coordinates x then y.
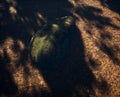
{"type": "Point", "coordinates": [92, 67]}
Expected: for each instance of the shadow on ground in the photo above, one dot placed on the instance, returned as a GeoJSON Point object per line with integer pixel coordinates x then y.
{"type": "Point", "coordinates": [113, 5]}
{"type": "Point", "coordinates": [7, 85]}
{"type": "Point", "coordinates": [92, 17]}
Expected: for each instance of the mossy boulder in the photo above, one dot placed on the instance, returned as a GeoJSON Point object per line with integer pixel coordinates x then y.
{"type": "Point", "coordinates": [51, 43]}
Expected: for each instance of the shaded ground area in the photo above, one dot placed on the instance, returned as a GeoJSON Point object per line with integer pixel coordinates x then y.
{"type": "Point", "coordinates": [91, 68]}
{"type": "Point", "coordinates": [112, 5]}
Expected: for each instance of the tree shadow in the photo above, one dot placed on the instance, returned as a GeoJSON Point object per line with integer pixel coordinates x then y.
{"type": "Point", "coordinates": [111, 51]}
{"type": "Point", "coordinates": [113, 5]}
{"type": "Point", "coordinates": [93, 16]}
{"type": "Point", "coordinates": [7, 85]}
{"type": "Point", "coordinates": [72, 75]}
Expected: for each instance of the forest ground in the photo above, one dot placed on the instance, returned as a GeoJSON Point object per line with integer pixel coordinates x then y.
{"type": "Point", "coordinates": [92, 68]}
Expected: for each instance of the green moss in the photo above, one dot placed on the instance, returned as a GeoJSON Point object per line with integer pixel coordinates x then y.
{"type": "Point", "coordinates": [52, 41]}
{"type": "Point", "coordinates": [41, 46]}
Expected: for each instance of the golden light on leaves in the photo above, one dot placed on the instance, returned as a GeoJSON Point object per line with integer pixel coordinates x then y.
{"type": "Point", "coordinates": [55, 28]}
{"type": "Point", "coordinates": [8, 46]}
{"type": "Point", "coordinates": [21, 44]}
{"type": "Point", "coordinates": [39, 15]}
{"type": "Point", "coordinates": [9, 43]}
{"type": "Point", "coordinates": [12, 10]}
{"type": "Point", "coordinates": [72, 2]}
